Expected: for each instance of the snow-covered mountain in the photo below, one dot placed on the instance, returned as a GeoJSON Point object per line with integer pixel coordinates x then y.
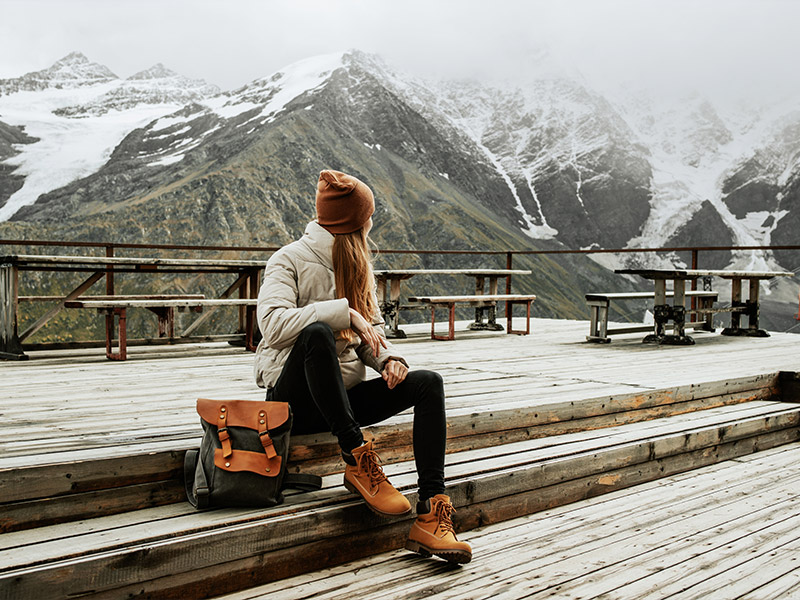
{"type": "Point", "coordinates": [78, 111]}
{"type": "Point", "coordinates": [548, 160]}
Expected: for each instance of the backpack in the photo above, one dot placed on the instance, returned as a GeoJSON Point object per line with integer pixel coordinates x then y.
{"type": "Point", "coordinates": [242, 459]}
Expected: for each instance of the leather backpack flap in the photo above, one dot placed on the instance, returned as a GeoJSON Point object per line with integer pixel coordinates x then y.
{"type": "Point", "coordinates": [253, 462]}
{"type": "Point", "coordinates": [243, 413]}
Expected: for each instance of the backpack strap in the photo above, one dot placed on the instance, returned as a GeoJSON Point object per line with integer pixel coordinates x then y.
{"type": "Point", "coordinates": [302, 481]}
{"type": "Point", "coordinates": [194, 480]}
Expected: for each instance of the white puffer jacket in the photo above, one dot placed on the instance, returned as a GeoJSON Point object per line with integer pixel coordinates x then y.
{"type": "Point", "coordinates": [298, 290]}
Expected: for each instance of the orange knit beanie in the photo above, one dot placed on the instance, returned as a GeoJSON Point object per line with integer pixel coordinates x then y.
{"type": "Point", "coordinates": [344, 203]}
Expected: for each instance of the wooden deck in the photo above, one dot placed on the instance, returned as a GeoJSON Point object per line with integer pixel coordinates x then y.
{"type": "Point", "coordinates": [91, 498]}
{"type": "Point", "coordinates": [731, 530]}
{"type": "Point", "coordinates": [79, 403]}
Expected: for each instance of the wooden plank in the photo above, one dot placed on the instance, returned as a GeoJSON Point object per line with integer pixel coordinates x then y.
{"type": "Point", "coordinates": [645, 295]}
{"type": "Point", "coordinates": [468, 272]}
{"type": "Point", "coordinates": [117, 297]}
{"type": "Point", "coordinates": [694, 273]}
{"type": "Point", "coordinates": [687, 552]}
{"type": "Point", "coordinates": [785, 586]}
{"type": "Point", "coordinates": [473, 298]}
{"type": "Point", "coordinates": [49, 260]}
{"type": "Point", "coordinates": [16, 516]}
{"type": "Point", "coordinates": [757, 557]}
{"type": "Point", "coordinates": [177, 303]}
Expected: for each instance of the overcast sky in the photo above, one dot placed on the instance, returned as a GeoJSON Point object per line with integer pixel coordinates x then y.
{"type": "Point", "coordinates": [719, 46]}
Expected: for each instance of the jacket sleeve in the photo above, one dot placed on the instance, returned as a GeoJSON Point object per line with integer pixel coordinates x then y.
{"type": "Point", "coordinates": [368, 357]}
{"type": "Point", "coordinates": [279, 317]}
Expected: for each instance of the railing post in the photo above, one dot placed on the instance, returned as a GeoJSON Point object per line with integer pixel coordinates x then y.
{"type": "Point", "coordinates": [110, 271]}
{"type": "Point", "coordinates": [10, 346]}
{"type": "Point", "coordinates": [693, 304]}
{"type": "Point", "coordinates": [509, 258]}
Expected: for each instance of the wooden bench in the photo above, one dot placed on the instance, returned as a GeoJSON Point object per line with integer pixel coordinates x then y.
{"type": "Point", "coordinates": [389, 280]}
{"type": "Point", "coordinates": [599, 305]}
{"type": "Point", "coordinates": [477, 300]}
{"type": "Point", "coordinates": [164, 308]}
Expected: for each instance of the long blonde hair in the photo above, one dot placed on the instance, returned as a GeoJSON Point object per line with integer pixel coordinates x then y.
{"type": "Point", "coordinates": [352, 272]}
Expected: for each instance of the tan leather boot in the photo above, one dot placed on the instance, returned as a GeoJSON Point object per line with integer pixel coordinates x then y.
{"type": "Point", "coordinates": [432, 532]}
{"type": "Point", "coordinates": [366, 478]}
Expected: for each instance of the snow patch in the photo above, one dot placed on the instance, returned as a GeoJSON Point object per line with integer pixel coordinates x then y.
{"type": "Point", "coordinates": [180, 131]}
{"type": "Point", "coordinates": [166, 122]}
{"type": "Point", "coordinates": [227, 109]}
{"type": "Point", "coordinates": [167, 160]}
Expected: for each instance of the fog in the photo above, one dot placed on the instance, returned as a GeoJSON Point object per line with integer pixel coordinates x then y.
{"type": "Point", "coordinates": [718, 47]}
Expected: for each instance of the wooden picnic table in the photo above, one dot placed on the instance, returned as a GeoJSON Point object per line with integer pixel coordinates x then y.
{"type": "Point", "coordinates": [246, 273]}
{"type": "Point", "coordinates": [676, 312]}
{"type": "Point", "coordinates": [389, 281]}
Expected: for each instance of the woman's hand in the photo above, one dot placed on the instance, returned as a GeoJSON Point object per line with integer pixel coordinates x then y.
{"type": "Point", "coordinates": [366, 332]}
{"type": "Point", "coordinates": [394, 372]}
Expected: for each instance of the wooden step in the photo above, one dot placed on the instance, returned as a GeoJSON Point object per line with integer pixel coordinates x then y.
{"type": "Point", "coordinates": [45, 489]}
{"type": "Point", "coordinates": [173, 551]}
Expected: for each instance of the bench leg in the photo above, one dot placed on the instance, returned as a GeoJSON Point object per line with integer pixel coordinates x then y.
{"type": "Point", "coordinates": [390, 310]}
{"type": "Point", "coordinates": [663, 313]}
{"type": "Point", "coordinates": [753, 310]}
{"type": "Point", "coordinates": [752, 306]}
{"type": "Point", "coordinates": [123, 334]}
{"type": "Point", "coordinates": [509, 305]}
{"type": "Point", "coordinates": [451, 330]}
{"type": "Point", "coordinates": [736, 302]}
{"type": "Point", "coordinates": [598, 325]}
{"type": "Point", "coordinates": [491, 323]}
{"type": "Point", "coordinates": [166, 320]}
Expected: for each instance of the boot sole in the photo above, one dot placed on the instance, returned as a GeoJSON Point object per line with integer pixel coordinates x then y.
{"type": "Point", "coordinates": [453, 556]}
{"type": "Point", "coordinates": [353, 489]}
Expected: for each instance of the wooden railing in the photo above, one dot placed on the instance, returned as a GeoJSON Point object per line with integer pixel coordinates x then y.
{"type": "Point", "coordinates": [110, 249]}
{"type": "Point", "coordinates": [693, 255]}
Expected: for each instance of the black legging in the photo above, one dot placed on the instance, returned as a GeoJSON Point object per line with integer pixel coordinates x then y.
{"type": "Point", "coordinates": [311, 382]}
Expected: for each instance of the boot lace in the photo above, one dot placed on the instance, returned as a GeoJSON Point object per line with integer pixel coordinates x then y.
{"type": "Point", "coordinates": [443, 511]}
{"type": "Point", "coordinates": [369, 462]}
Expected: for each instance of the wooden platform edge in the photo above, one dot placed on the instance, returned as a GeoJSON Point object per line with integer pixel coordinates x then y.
{"type": "Point", "coordinates": [61, 492]}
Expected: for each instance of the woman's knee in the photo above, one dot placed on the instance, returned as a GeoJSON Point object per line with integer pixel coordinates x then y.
{"type": "Point", "coordinates": [430, 384]}
{"type": "Point", "coordinates": [317, 332]}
